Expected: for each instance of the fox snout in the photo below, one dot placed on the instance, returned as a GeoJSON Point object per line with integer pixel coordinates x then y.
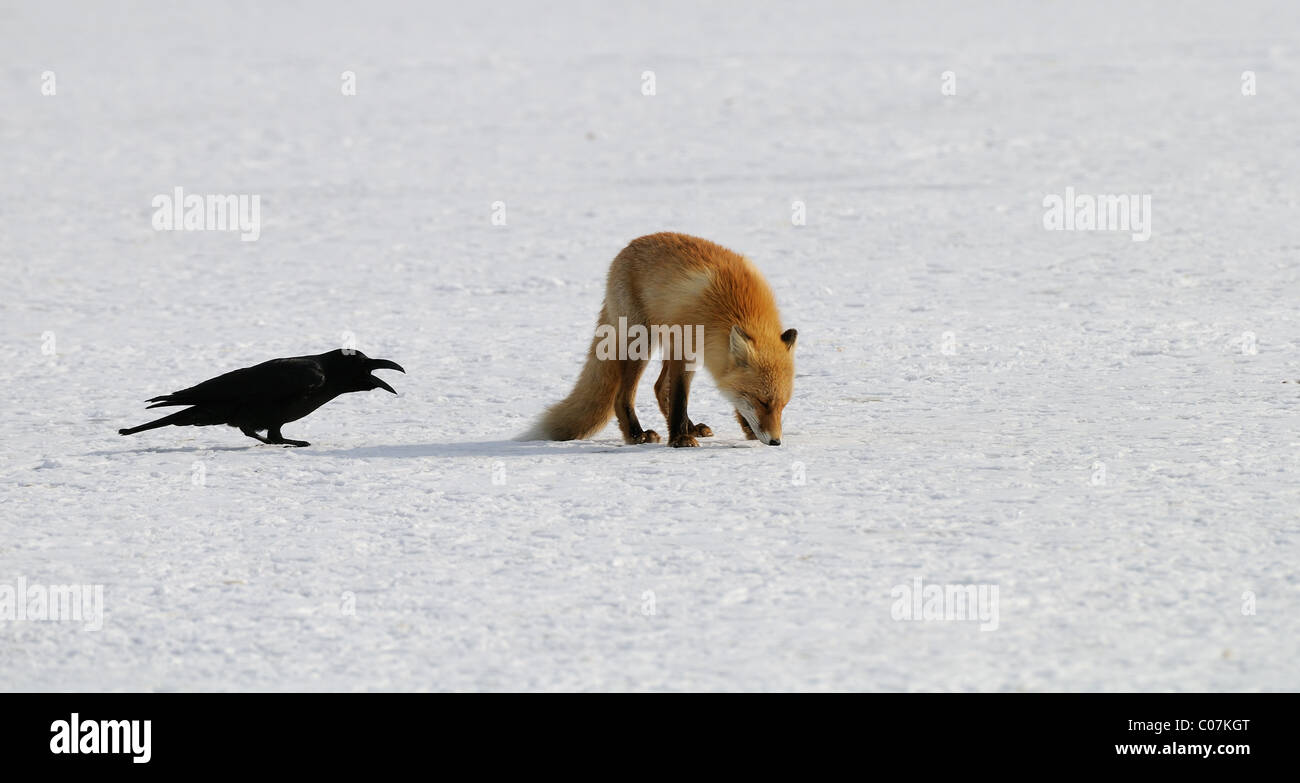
{"type": "Point", "coordinates": [769, 431]}
{"type": "Point", "coordinates": [761, 425]}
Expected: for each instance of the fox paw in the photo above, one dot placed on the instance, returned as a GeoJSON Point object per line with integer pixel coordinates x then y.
{"type": "Point", "coordinates": [686, 439]}
{"type": "Point", "coordinates": [702, 431]}
{"type": "Point", "coordinates": [649, 436]}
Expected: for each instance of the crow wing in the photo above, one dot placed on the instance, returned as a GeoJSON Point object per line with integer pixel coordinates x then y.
{"type": "Point", "coordinates": [277, 379]}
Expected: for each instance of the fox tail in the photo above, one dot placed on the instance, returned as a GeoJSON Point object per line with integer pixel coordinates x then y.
{"type": "Point", "coordinates": [590, 405]}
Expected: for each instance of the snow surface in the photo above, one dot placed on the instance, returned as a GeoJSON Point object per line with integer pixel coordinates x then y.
{"type": "Point", "coordinates": [978, 465]}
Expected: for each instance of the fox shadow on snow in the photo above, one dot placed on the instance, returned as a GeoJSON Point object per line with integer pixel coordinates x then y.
{"type": "Point", "coordinates": [494, 448]}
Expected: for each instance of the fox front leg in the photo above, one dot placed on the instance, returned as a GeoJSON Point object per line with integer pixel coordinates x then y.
{"type": "Point", "coordinates": [664, 396]}
{"type": "Point", "coordinates": [681, 432]}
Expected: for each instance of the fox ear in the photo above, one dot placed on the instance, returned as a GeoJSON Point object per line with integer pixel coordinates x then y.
{"type": "Point", "coordinates": [740, 346]}
{"type": "Point", "coordinates": [788, 337]}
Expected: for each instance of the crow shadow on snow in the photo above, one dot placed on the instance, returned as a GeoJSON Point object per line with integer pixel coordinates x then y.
{"type": "Point", "coordinates": [172, 450]}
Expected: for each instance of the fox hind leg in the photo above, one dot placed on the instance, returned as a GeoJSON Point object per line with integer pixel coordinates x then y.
{"type": "Point", "coordinates": [625, 403]}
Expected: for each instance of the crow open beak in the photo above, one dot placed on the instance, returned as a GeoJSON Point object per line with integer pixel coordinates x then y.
{"type": "Point", "coordinates": [384, 364]}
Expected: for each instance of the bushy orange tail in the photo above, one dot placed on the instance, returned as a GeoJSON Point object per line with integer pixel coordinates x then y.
{"type": "Point", "coordinates": [588, 408]}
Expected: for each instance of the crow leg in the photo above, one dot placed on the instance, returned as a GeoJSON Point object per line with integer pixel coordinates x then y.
{"type": "Point", "coordinates": [273, 436]}
{"type": "Point", "coordinates": [253, 434]}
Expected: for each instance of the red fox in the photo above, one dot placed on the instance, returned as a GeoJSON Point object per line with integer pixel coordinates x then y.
{"type": "Point", "coordinates": [673, 280]}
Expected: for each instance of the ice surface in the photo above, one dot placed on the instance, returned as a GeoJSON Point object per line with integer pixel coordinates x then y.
{"type": "Point", "coordinates": [964, 374]}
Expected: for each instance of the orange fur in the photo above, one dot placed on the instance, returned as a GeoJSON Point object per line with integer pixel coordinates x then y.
{"type": "Point", "coordinates": [672, 279]}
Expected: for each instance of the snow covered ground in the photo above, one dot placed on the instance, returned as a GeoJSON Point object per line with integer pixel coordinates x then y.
{"type": "Point", "coordinates": [1097, 427]}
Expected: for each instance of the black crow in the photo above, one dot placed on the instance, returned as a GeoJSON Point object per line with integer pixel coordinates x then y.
{"type": "Point", "coordinates": [268, 395]}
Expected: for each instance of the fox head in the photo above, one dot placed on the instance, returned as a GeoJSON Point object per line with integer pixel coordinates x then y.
{"type": "Point", "coordinates": [759, 379]}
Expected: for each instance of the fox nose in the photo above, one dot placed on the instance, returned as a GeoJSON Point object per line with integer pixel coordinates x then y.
{"type": "Point", "coordinates": [774, 442]}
